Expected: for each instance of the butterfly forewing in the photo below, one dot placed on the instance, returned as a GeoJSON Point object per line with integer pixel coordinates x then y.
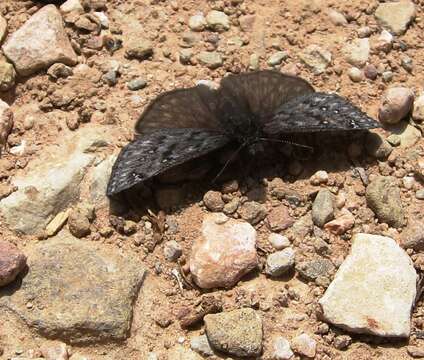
{"type": "Point", "coordinates": [191, 108]}
{"type": "Point", "coordinates": [155, 152]}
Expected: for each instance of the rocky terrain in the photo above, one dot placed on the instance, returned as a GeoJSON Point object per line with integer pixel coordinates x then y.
{"type": "Point", "coordinates": [307, 257]}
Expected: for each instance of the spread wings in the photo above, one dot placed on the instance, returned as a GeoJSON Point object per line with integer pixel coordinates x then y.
{"type": "Point", "coordinates": [155, 152]}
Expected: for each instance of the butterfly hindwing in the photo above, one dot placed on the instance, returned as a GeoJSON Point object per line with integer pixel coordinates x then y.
{"type": "Point", "coordinates": [192, 108]}
{"type": "Point", "coordinates": [153, 153]}
{"type": "Point", "coordinates": [261, 93]}
{"type": "Point", "coordinates": [318, 112]}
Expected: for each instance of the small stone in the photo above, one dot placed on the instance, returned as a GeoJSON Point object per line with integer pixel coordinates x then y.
{"type": "Point", "coordinates": [316, 58]}
{"type": "Point", "coordinates": [407, 63]}
{"type": "Point", "coordinates": [342, 224]}
{"type": "Point", "coordinates": [136, 84]}
{"type": "Point", "coordinates": [212, 60]}
{"type": "Point", "coordinates": [281, 349]}
{"type": "Point", "coordinates": [383, 198]}
{"type": "Point", "coordinates": [280, 262]}
{"type": "Point", "coordinates": [312, 270]}
{"type": "Point", "coordinates": [59, 70]}
{"type": "Point", "coordinates": [395, 16]}
{"type": "Point", "coordinates": [40, 42]}
{"type": "Point", "coordinates": [110, 77]}
{"type": "Point", "coordinates": [320, 177]}
{"type": "Point", "coordinates": [200, 344]}
{"type": "Point", "coordinates": [277, 58]}
{"type": "Point", "coordinates": [56, 351]}
{"type": "Point", "coordinates": [396, 104]}
{"type": "Point", "coordinates": [7, 76]}
{"type": "Point", "coordinates": [72, 122]}
{"type": "Point", "coordinates": [420, 194]}
{"type": "Point", "coordinates": [254, 62]}
{"type": "Point", "coordinates": [387, 76]}
{"type": "Point", "coordinates": [172, 250]}
{"type": "Point", "coordinates": [104, 20]}
{"type": "Point", "coordinates": [72, 6]}
{"type": "Point", "coordinates": [278, 242]}
{"type": "Point", "coordinates": [279, 218]}
{"type": "Point", "coordinates": [384, 42]}
{"type": "Point", "coordinates": [6, 123]}
{"type": "Point", "coordinates": [377, 146]}
{"type": "Point", "coordinates": [253, 212]}
{"type": "Point", "coordinates": [185, 56]}
{"type": "Point", "coordinates": [57, 223]}
{"type": "Point", "coordinates": [225, 252]}
{"type": "Point", "coordinates": [357, 52]}
{"type": "Point", "coordinates": [364, 32]}
{"type": "Point", "coordinates": [370, 72]}
{"type": "Point", "coordinates": [337, 18]}
{"type": "Point", "coordinates": [415, 351]}
{"type": "Point", "coordinates": [140, 49]}
{"type": "Point", "coordinates": [323, 208]}
{"type": "Point", "coordinates": [408, 134]}
{"type": "Point", "coordinates": [3, 28]}
{"type": "Point", "coordinates": [197, 22]}
{"type": "Point", "coordinates": [213, 201]}
{"type": "Point", "coordinates": [12, 262]}
{"type": "Point", "coordinates": [87, 23]}
{"type": "Point", "coordinates": [218, 21]}
{"type": "Point", "coordinates": [78, 223]}
{"type": "Point", "coordinates": [304, 345]}
{"type": "Point", "coordinates": [342, 342]}
{"type": "Point", "coordinates": [247, 22]}
{"type": "Point", "coordinates": [178, 352]}
{"type": "Point", "coordinates": [355, 74]}
{"type": "Point", "coordinates": [394, 140]}
{"type": "Point", "coordinates": [374, 289]}
{"type": "Point", "coordinates": [237, 332]}
{"type": "Point", "coordinates": [418, 112]}
{"type": "Point", "coordinates": [413, 236]}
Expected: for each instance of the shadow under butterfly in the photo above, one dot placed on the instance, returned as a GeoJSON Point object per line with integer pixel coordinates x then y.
{"type": "Point", "coordinates": [245, 111]}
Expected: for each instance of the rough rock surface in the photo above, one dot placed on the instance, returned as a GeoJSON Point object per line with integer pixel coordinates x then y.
{"type": "Point", "coordinates": [237, 332]}
{"type": "Point", "coordinates": [6, 123]}
{"type": "Point", "coordinates": [357, 52]}
{"type": "Point", "coordinates": [316, 58]}
{"type": "Point", "coordinates": [3, 28]}
{"type": "Point", "coordinates": [40, 42]}
{"type": "Point", "coordinates": [373, 290]}
{"type": "Point", "coordinates": [224, 253]}
{"type": "Point", "coordinates": [396, 16]}
{"type": "Point", "coordinates": [12, 262]}
{"type": "Point", "coordinates": [76, 303]}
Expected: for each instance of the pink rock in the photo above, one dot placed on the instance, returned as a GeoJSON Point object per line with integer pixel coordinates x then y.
{"type": "Point", "coordinates": [279, 218]}
{"type": "Point", "coordinates": [224, 253]}
{"type": "Point", "coordinates": [12, 262]}
{"type": "Point", "coordinates": [342, 224]}
{"type": "Point", "coordinates": [396, 104]}
{"type": "Point", "coordinates": [55, 351]}
{"type": "Point", "coordinates": [40, 42]}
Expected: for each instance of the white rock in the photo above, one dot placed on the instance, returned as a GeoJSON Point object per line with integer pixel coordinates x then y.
{"type": "Point", "coordinates": [383, 42]}
{"type": "Point", "coordinates": [373, 290]}
{"type": "Point", "coordinates": [197, 22]}
{"type": "Point", "coordinates": [278, 242]}
{"type": "Point", "coordinates": [357, 52]}
{"type": "Point", "coordinates": [99, 178]}
{"type": "Point", "coordinates": [224, 253]}
{"type": "Point", "coordinates": [337, 18]}
{"type": "Point", "coordinates": [72, 6]}
{"type": "Point", "coordinates": [218, 21]}
{"type": "Point", "coordinates": [396, 104]}
{"type": "Point", "coordinates": [280, 262]}
{"type": "Point", "coordinates": [304, 345]}
{"type": "Point", "coordinates": [104, 20]}
{"type": "Point", "coordinates": [396, 16]}
{"type": "Point", "coordinates": [6, 123]}
{"type": "Point", "coordinates": [316, 58]}
{"type": "Point", "coordinates": [178, 352]}
{"type": "Point", "coordinates": [355, 74]}
{"type": "Point", "coordinates": [40, 42]}
{"type": "Point", "coordinates": [281, 349]}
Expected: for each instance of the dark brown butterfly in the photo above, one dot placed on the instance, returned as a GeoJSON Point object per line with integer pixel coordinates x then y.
{"type": "Point", "coordinates": [247, 109]}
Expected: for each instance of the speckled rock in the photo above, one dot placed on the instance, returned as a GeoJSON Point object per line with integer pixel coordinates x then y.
{"type": "Point", "coordinates": [225, 252]}
{"type": "Point", "coordinates": [237, 332]}
{"type": "Point", "coordinates": [396, 16]}
{"type": "Point", "coordinates": [316, 58]}
{"type": "Point", "coordinates": [213, 201]}
{"type": "Point", "coordinates": [383, 198]}
{"type": "Point", "coordinates": [374, 289]}
{"type": "Point", "coordinates": [12, 262]}
{"type": "Point", "coordinates": [279, 218]}
{"type": "Point", "coordinates": [396, 104]}
{"type": "Point", "coordinates": [94, 305]}
{"type": "Point", "coordinates": [40, 42]}
{"type": "Point", "coordinates": [357, 52]}
{"type": "Point", "coordinates": [252, 212]}
{"type": "Point", "coordinates": [311, 270]}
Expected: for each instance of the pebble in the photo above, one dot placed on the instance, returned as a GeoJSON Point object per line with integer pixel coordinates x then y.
{"type": "Point", "coordinates": [320, 177]}
{"type": "Point", "coordinates": [357, 52]}
{"type": "Point", "coordinates": [40, 42]}
{"type": "Point", "coordinates": [377, 146]}
{"type": "Point", "coordinates": [337, 18]}
{"type": "Point", "coordinates": [237, 332]}
{"type": "Point", "coordinates": [72, 6]}
{"type": "Point", "coordinates": [355, 74]}
{"type": "Point", "coordinates": [408, 134]}
{"type": "Point", "coordinates": [384, 42]}
{"type": "Point", "coordinates": [212, 60]}
{"type": "Point", "coordinates": [396, 103]}
{"type": "Point", "coordinates": [200, 344]}
{"type": "Point", "coordinates": [394, 140]}
{"type": "Point", "coordinates": [213, 201]}
{"type": "Point", "coordinates": [254, 62]}
{"type": "Point", "coordinates": [279, 218]}
{"type": "Point", "coordinates": [12, 262]}
{"type": "Point", "coordinates": [172, 250]}
{"type": "Point", "coordinates": [342, 342]}
{"type": "Point", "coordinates": [55, 351]}
{"type": "Point", "coordinates": [407, 63]}
{"type": "Point", "coordinates": [415, 351]}
{"type": "Point", "coordinates": [304, 345]}
{"type": "Point", "coordinates": [420, 194]}
{"type": "Point", "coordinates": [323, 208]}
{"type": "Point", "coordinates": [136, 84]}
{"type": "Point", "coordinates": [418, 112]}
{"type": "Point", "coordinates": [341, 224]}
{"type": "Point", "coordinates": [6, 123]}
{"type": "Point", "coordinates": [370, 72]}
{"type": "Point", "coordinates": [364, 32]}
{"type": "Point", "coordinates": [395, 16]}
{"type": "Point", "coordinates": [218, 21]}
{"type": "Point", "coordinates": [224, 253]}
{"type": "Point", "coordinates": [7, 76]}
{"type": "Point", "coordinates": [277, 58]}
{"type": "Point", "coordinates": [313, 269]}
{"type": "Point", "coordinates": [280, 262]}
{"type": "Point", "coordinates": [373, 290]}
{"type": "Point", "coordinates": [3, 28]}
{"type": "Point", "coordinates": [111, 77]}
{"type": "Point", "coordinates": [139, 49]}
{"type": "Point", "coordinates": [316, 58]}
{"type": "Point", "coordinates": [281, 349]}
{"type": "Point", "coordinates": [278, 242]}
{"type": "Point", "coordinates": [253, 212]}
{"type": "Point", "coordinates": [59, 70]}
{"type": "Point", "coordinates": [185, 56]}
{"type": "Point", "coordinates": [412, 236]}
{"type": "Point", "coordinates": [387, 76]}
{"type": "Point", "coordinates": [197, 22]}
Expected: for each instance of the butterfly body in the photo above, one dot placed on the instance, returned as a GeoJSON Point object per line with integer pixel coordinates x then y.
{"type": "Point", "coordinates": [246, 111]}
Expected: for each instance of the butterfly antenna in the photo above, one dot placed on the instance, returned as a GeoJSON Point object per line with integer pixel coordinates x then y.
{"type": "Point", "coordinates": [287, 142]}
{"type": "Point", "coordinates": [233, 156]}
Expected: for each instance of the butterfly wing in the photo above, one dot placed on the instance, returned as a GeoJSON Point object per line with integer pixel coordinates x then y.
{"type": "Point", "coordinates": [155, 152]}
{"type": "Point", "coordinates": [318, 112]}
{"type": "Point", "coordinates": [191, 108]}
{"type": "Point", "coordinates": [261, 93]}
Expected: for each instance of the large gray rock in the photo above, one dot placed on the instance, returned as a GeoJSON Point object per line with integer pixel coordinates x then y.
{"type": "Point", "coordinates": [40, 42]}
{"type": "Point", "coordinates": [52, 181]}
{"type": "Point", "coordinates": [237, 332]}
{"type": "Point", "coordinates": [373, 290]}
{"type": "Point", "coordinates": [396, 16]}
{"type": "Point", "coordinates": [79, 291]}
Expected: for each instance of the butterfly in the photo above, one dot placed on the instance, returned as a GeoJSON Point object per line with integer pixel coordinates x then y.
{"type": "Point", "coordinates": [247, 109]}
